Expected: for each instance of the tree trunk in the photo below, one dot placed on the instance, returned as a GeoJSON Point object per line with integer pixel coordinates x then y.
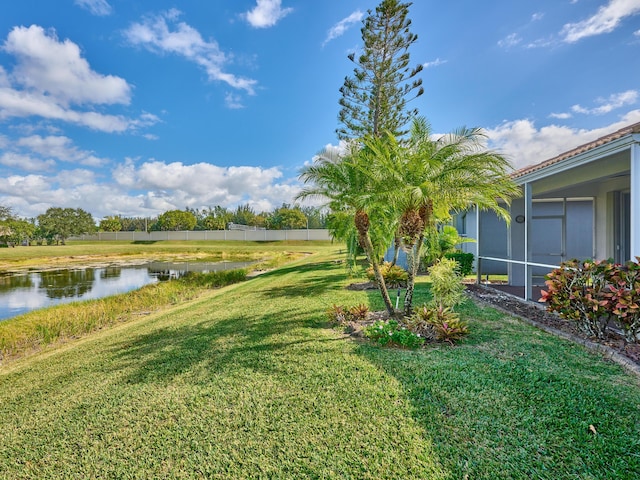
{"type": "Point", "coordinates": [368, 247]}
{"type": "Point", "coordinates": [396, 250]}
{"type": "Point", "coordinates": [425, 213]}
{"type": "Point", "coordinates": [362, 223]}
{"type": "Point", "coordinates": [413, 272]}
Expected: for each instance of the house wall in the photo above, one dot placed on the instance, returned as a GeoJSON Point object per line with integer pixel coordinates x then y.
{"type": "Point", "coordinates": [549, 223]}
{"type": "Point", "coordinates": [605, 216]}
{"type": "Point", "coordinates": [493, 239]}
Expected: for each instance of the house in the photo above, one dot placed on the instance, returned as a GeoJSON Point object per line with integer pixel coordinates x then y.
{"type": "Point", "coordinates": [584, 203]}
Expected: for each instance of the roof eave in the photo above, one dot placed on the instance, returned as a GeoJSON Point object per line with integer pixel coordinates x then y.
{"type": "Point", "coordinates": [596, 153]}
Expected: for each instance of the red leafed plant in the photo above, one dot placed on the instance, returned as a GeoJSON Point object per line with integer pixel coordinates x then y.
{"type": "Point", "coordinates": [592, 293]}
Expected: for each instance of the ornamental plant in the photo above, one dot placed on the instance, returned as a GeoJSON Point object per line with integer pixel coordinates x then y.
{"type": "Point", "coordinates": [393, 334]}
{"type": "Point", "coordinates": [446, 284]}
{"type": "Point", "coordinates": [439, 323]}
{"type": "Point", "coordinates": [624, 299]}
{"type": "Point", "coordinates": [595, 293]}
{"type": "Point", "coordinates": [394, 276]}
{"type": "Point", "coordinates": [341, 315]}
{"type": "Point", "coordinates": [576, 292]}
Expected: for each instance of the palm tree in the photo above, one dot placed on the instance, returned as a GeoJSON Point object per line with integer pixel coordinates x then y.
{"type": "Point", "coordinates": [428, 178]}
{"type": "Point", "coordinates": [346, 182]}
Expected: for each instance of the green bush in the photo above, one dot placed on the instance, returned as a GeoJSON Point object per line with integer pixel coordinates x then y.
{"type": "Point", "coordinates": [437, 323]}
{"type": "Point", "coordinates": [394, 334]}
{"type": "Point", "coordinates": [394, 276]}
{"type": "Point", "coordinates": [446, 285]}
{"type": "Point", "coordinates": [465, 262]}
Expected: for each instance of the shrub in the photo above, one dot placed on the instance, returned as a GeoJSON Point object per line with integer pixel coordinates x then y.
{"type": "Point", "coordinates": [437, 322]}
{"type": "Point", "coordinates": [337, 314]}
{"type": "Point", "coordinates": [446, 285]}
{"type": "Point", "coordinates": [419, 322]}
{"type": "Point", "coordinates": [624, 299]}
{"type": "Point", "coordinates": [592, 293]}
{"type": "Point", "coordinates": [394, 276]}
{"type": "Point", "coordinates": [448, 326]}
{"type": "Point", "coordinates": [341, 315]}
{"type": "Point", "coordinates": [359, 312]}
{"type": "Point", "coordinates": [465, 262]}
{"type": "Point", "coordinates": [576, 292]}
{"type": "Point", "coordinates": [392, 333]}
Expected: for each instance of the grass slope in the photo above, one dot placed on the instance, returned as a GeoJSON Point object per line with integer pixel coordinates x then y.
{"type": "Point", "coordinates": [249, 383]}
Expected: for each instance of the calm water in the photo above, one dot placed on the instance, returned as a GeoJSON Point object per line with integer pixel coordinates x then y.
{"type": "Point", "coordinates": [20, 293]}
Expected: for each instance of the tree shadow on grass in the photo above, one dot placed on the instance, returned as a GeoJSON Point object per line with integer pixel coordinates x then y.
{"type": "Point", "coordinates": [318, 279]}
{"type": "Point", "coordinates": [245, 343]}
{"type": "Point", "coordinates": [317, 267]}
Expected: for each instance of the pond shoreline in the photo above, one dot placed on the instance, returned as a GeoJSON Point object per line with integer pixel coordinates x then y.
{"type": "Point", "coordinates": [80, 262]}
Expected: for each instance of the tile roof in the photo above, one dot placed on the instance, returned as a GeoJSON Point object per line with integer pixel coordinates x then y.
{"type": "Point", "coordinates": [630, 129]}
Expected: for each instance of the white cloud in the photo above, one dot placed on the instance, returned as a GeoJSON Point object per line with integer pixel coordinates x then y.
{"type": "Point", "coordinates": [16, 103]}
{"type": "Point", "coordinates": [561, 116]}
{"type": "Point", "coordinates": [164, 34]}
{"type": "Point", "coordinates": [233, 101]}
{"type": "Point", "coordinates": [48, 66]}
{"type": "Point", "coordinates": [607, 105]}
{"type": "Point", "coordinates": [537, 16]}
{"type": "Point", "coordinates": [26, 163]}
{"type": "Point", "coordinates": [436, 63]}
{"type": "Point", "coordinates": [342, 26]}
{"type": "Point", "coordinates": [73, 178]}
{"type": "Point", "coordinates": [96, 7]}
{"type": "Point", "coordinates": [509, 41]}
{"type": "Point", "coordinates": [605, 20]}
{"type": "Point", "coordinates": [526, 145]}
{"type": "Point", "coordinates": [60, 148]}
{"type": "Point", "coordinates": [51, 80]}
{"type": "Point", "coordinates": [266, 13]}
{"type": "Point", "coordinates": [148, 189]}
{"type": "Point", "coordinates": [204, 184]}
{"type": "Point", "coordinates": [4, 78]}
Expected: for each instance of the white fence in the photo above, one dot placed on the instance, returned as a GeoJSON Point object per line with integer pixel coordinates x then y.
{"type": "Point", "coordinates": [228, 235]}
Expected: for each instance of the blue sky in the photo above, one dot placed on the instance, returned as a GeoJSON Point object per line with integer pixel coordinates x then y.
{"type": "Point", "coordinates": [137, 107]}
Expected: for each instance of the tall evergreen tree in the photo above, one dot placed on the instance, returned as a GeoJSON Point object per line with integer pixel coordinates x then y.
{"type": "Point", "coordinates": [375, 99]}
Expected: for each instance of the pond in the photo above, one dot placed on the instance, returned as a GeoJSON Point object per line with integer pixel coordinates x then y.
{"type": "Point", "coordinates": [23, 292]}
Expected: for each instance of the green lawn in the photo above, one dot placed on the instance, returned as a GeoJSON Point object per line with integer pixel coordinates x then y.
{"type": "Point", "coordinates": [248, 382]}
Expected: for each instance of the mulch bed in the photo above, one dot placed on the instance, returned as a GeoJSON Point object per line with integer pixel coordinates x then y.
{"type": "Point", "coordinates": [613, 346]}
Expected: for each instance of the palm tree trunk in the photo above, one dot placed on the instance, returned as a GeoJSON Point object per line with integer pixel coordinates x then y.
{"type": "Point", "coordinates": [396, 250]}
{"type": "Point", "coordinates": [384, 291]}
{"type": "Point", "coordinates": [362, 223]}
{"type": "Point", "coordinates": [413, 273]}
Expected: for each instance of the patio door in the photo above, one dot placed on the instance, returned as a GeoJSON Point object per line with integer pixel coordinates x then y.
{"type": "Point", "coordinates": [622, 232]}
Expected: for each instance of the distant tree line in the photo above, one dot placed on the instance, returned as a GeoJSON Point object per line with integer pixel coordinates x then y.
{"type": "Point", "coordinates": [57, 224]}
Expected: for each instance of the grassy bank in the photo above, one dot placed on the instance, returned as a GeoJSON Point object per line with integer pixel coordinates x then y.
{"type": "Point", "coordinates": [248, 382]}
{"type": "Point", "coordinates": [27, 333]}
{"type": "Point", "coordinates": [32, 331]}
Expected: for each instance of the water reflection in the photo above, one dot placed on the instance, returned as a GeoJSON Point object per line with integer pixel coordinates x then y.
{"type": "Point", "coordinates": [67, 283]}
{"type": "Point", "coordinates": [20, 293]}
